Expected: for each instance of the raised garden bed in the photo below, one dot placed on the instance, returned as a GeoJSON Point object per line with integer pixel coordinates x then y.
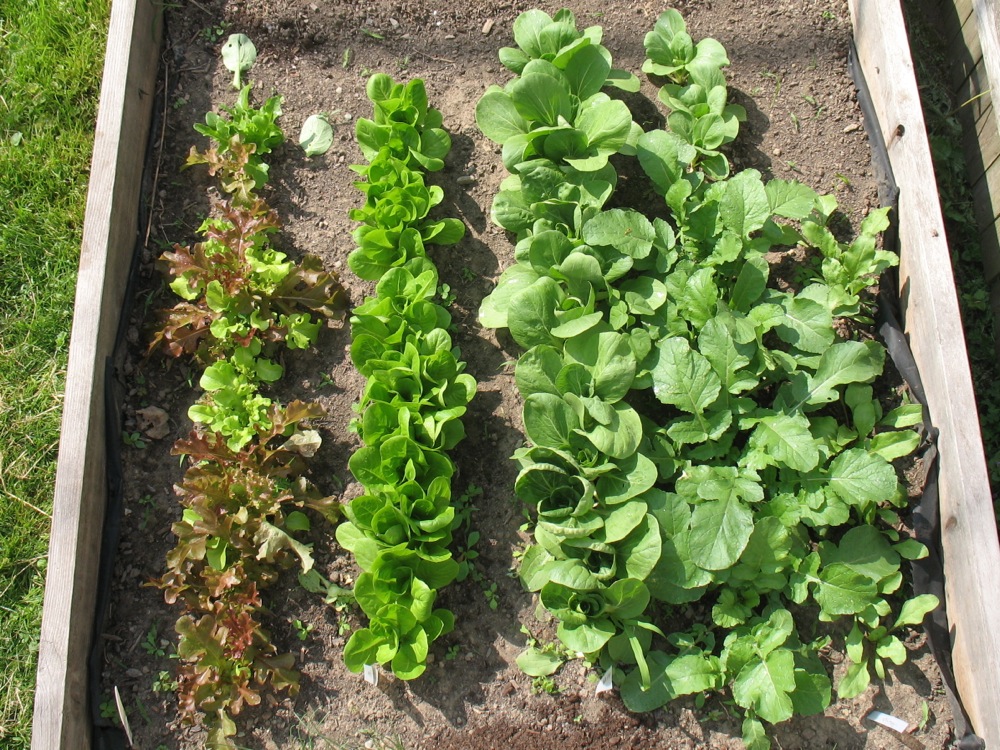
{"type": "Point", "coordinates": [472, 694]}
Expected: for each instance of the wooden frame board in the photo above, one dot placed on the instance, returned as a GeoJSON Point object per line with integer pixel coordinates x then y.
{"type": "Point", "coordinates": [933, 326]}
{"type": "Point", "coordinates": [61, 717]}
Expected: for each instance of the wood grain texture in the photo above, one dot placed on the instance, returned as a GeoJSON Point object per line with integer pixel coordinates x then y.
{"type": "Point", "coordinates": [969, 536]}
{"type": "Point", "coordinates": [61, 717]}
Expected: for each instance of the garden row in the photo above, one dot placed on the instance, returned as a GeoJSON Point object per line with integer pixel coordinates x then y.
{"type": "Point", "coordinates": [245, 489]}
{"type": "Point", "coordinates": [697, 435]}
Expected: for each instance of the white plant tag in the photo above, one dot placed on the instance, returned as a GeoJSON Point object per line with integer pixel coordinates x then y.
{"type": "Point", "coordinates": [607, 683]}
{"type": "Point", "coordinates": [889, 721]}
{"type": "Point", "coordinates": [123, 716]}
{"type": "Point", "coordinates": [371, 674]}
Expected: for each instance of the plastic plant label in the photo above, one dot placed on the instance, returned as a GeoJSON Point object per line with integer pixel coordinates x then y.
{"type": "Point", "coordinates": [371, 674]}
{"type": "Point", "coordinates": [889, 721]}
{"type": "Point", "coordinates": [607, 682]}
{"type": "Point", "coordinates": [123, 716]}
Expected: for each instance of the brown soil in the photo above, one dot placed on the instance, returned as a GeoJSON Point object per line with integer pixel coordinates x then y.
{"type": "Point", "coordinates": [789, 71]}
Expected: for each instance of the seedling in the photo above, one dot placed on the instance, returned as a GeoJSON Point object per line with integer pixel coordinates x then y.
{"type": "Point", "coordinates": [215, 32]}
{"type": "Point", "coordinates": [302, 630]}
{"type": "Point", "coordinates": [134, 440]}
{"type": "Point", "coordinates": [164, 683]}
{"type": "Point", "coordinates": [147, 503]}
{"type": "Point", "coordinates": [544, 684]}
{"type": "Point", "coordinates": [151, 644]}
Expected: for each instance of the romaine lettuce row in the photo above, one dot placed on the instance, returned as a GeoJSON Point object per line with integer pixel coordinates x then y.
{"type": "Point", "coordinates": [734, 488]}
{"type": "Point", "coordinates": [416, 391]}
{"type": "Point", "coordinates": [404, 125]}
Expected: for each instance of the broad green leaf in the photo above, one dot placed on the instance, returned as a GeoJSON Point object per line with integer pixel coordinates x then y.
{"type": "Point", "coordinates": [644, 295]}
{"type": "Point", "coordinates": [588, 638]}
{"type": "Point", "coordinates": [549, 420]}
{"type": "Point", "coordinates": [641, 549]}
{"type": "Point", "coordinates": [906, 415]}
{"type": "Point", "coordinates": [541, 98]}
{"type": "Point", "coordinates": [694, 673]}
{"type": "Point", "coordinates": [609, 358]}
{"type": "Point", "coordinates": [621, 436]}
{"type": "Point", "coordinates": [727, 357]}
{"type": "Point", "coordinates": [750, 284]}
{"type": "Point", "coordinates": [588, 71]}
{"type": "Point", "coordinates": [535, 663]}
{"type": "Point", "coordinates": [854, 682]}
{"type": "Point", "coordinates": [720, 530]}
{"type": "Point", "coordinates": [895, 444]}
{"type": "Point", "coordinates": [528, 28]}
{"type": "Point", "coordinates": [764, 686]}
{"type": "Point", "coordinates": [659, 693]}
{"type": "Point", "coordinates": [627, 598]}
{"type": "Point", "coordinates": [498, 118]}
{"type": "Point", "coordinates": [812, 690]}
{"type": "Point", "coordinates": [607, 125]}
{"type": "Point", "coordinates": [627, 231]}
{"type": "Point", "coordinates": [892, 648]}
{"type": "Point", "coordinates": [842, 591]}
{"type": "Point", "coordinates": [635, 475]}
{"type": "Point", "coordinates": [537, 370]}
{"type": "Point", "coordinates": [658, 155]}
{"type": "Point", "coordinates": [531, 313]}
{"type": "Point", "coordinates": [316, 135]}
{"type": "Point", "coordinates": [754, 736]}
{"type": "Point", "coordinates": [790, 199]}
{"type": "Point", "coordinates": [859, 477]}
{"type": "Point", "coordinates": [865, 550]}
{"type": "Point", "coordinates": [864, 408]}
{"type": "Point", "coordinates": [808, 326]}
{"type": "Point", "coordinates": [915, 610]}
{"type": "Point", "coordinates": [700, 428]}
{"type": "Point", "coordinates": [785, 440]}
{"type": "Point", "coordinates": [843, 363]}
{"type": "Point", "coordinates": [744, 207]}
{"type": "Point", "coordinates": [683, 377]}
{"type": "Point", "coordinates": [621, 521]}
{"type": "Point", "coordinates": [238, 55]}
{"type": "Point", "coordinates": [493, 312]}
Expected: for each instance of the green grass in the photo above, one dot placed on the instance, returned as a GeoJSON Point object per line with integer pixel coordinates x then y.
{"type": "Point", "coordinates": [51, 55]}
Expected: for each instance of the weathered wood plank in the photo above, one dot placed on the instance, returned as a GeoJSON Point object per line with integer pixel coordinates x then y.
{"type": "Point", "coordinates": [955, 15]}
{"type": "Point", "coordinates": [986, 200]}
{"type": "Point", "coordinates": [969, 536]}
{"type": "Point", "coordinates": [61, 720]}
